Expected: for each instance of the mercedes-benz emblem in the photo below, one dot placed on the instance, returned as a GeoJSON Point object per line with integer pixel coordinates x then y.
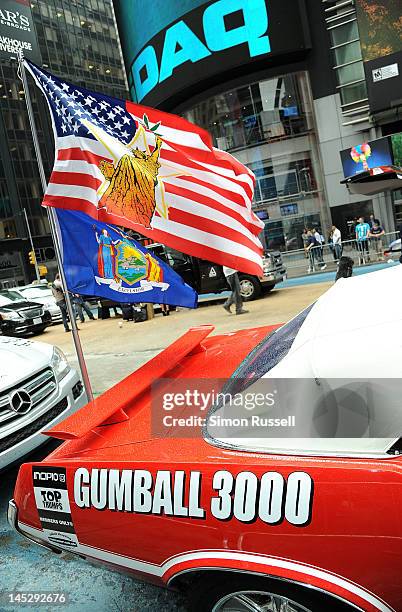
{"type": "Point", "coordinates": [20, 401]}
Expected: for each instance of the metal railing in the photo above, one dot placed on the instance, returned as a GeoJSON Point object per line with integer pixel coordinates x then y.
{"type": "Point", "coordinates": [299, 262]}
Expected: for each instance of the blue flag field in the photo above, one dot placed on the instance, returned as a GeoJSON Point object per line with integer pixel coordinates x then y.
{"type": "Point", "coordinates": [101, 260]}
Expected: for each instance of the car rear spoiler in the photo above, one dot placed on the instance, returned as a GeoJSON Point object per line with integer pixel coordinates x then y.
{"type": "Point", "coordinates": [111, 405]}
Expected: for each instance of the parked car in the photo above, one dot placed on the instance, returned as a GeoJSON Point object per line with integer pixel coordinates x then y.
{"type": "Point", "coordinates": [393, 251]}
{"type": "Point", "coordinates": [207, 277]}
{"type": "Point", "coordinates": [20, 317]}
{"type": "Point", "coordinates": [42, 294]}
{"type": "Point", "coordinates": [38, 388]}
{"type": "Point", "coordinates": [302, 523]}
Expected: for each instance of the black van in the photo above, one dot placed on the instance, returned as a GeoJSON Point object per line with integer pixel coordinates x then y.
{"type": "Point", "coordinates": [207, 277]}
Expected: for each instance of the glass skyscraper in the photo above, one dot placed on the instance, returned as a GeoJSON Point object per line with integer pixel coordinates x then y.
{"type": "Point", "coordinates": [78, 41]}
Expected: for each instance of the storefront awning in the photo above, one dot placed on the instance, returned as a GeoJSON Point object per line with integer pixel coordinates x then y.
{"type": "Point", "coordinates": [375, 180]}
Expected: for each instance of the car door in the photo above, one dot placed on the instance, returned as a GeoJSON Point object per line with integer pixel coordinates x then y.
{"type": "Point", "coordinates": [183, 265]}
{"type": "Point", "coordinates": [212, 278]}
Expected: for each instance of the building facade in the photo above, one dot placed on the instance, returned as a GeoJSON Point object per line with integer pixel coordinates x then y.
{"type": "Point", "coordinates": [283, 85]}
{"type": "Point", "coordinates": [78, 41]}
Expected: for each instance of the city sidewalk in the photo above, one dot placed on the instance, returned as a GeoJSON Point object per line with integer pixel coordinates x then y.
{"type": "Point", "coordinates": [112, 352]}
{"type": "Point", "coordinates": [329, 277]}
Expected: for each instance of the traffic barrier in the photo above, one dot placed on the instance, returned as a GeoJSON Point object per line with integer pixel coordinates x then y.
{"type": "Point", "coordinates": [299, 262]}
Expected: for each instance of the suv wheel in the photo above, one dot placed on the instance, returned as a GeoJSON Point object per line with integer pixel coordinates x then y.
{"type": "Point", "coordinates": [250, 287]}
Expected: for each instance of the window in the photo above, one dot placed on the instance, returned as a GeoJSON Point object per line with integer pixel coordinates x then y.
{"type": "Point", "coordinates": [7, 229]}
{"type": "Point", "coordinates": [175, 257]}
{"type": "Point", "coordinates": [51, 34]}
{"type": "Point", "coordinates": [269, 352]}
{"type": "Point", "coordinates": [288, 210]}
{"type": "Point", "coordinates": [282, 180]}
{"type": "Point", "coordinates": [346, 53]}
{"type": "Point", "coordinates": [7, 297]}
{"type": "Point", "coordinates": [39, 292]}
{"type": "Point", "coordinates": [285, 234]}
{"type": "Point", "coordinates": [344, 33]}
{"type": "Point", "coordinates": [261, 112]}
{"type": "Point", "coordinates": [348, 63]}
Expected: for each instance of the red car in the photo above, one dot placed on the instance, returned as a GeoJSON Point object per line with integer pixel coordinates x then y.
{"type": "Point", "coordinates": [241, 523]}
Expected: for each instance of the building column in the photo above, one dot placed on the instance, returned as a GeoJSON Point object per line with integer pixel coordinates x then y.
{"type": "Point", "coordinates": [383, 210]}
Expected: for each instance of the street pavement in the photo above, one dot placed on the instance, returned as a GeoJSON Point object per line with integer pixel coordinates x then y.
{"type": "Point", "coordinates": [113, 348]}
{"type": "Point", "coordinates": [112, 352]}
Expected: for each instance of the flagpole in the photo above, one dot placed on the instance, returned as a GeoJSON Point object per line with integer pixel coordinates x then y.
{"type": "Point", "coordinates": [53, 230]}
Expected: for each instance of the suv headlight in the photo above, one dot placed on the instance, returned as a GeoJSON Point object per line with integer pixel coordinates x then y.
{"type": "Point", "coordinates": [10, 316]}
{"type": "Point", "coordinates": [267, 265]}
{"type": "Point", "coordinates": [59, 364]}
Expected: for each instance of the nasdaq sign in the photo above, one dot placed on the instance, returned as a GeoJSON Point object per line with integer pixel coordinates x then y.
{"type": "Point", "coordinates": [216, 37]}
{"type": "Point", "coordinates": [182, 44]}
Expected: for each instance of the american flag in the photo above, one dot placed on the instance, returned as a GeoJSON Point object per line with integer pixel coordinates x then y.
{"type": "Point", "coordinates": [151, 171]}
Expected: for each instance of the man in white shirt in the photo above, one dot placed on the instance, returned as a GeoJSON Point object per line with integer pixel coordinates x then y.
{"type": "Point", "coordinates": [336, 242]}
{"type": "Point", "coordinates": [235, 297]}
{"type": "Point", "coordinates": [58, 294]}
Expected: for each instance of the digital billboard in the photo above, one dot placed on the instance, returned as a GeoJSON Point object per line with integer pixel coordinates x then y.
{"type": "Point", "coordinates": [380, 29]}
{"type": "Point", "coordinates": [17, 30]}
{"type": "Point", "coordinates": [185, 49]}
{"type": "Point", "coordinates": [363, 156]}
{"type": "Point", "coordinates": [396, 140]}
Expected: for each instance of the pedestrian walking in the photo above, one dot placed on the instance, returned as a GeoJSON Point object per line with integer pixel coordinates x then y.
{"type": "Point", "coordinates": [235, 297]}
{"type": "Point", "coordinates": [362, 230]}
{"type": "Point", "coordinates": [336, 238]}
{"type": "Point", "coordinates": [58, 294]}
{"type": "Point", "coordinates": [81, 305]}
{"type": "Point", "coordinates": [375, 234]}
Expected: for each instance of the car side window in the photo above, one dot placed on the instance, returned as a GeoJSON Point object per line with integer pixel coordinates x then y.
{"type": "Point", "coordinates": [175, 257]}
{"type": "Point", "coordinates": [271, 350]}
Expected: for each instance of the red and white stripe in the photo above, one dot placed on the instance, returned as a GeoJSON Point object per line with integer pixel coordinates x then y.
{"type": "Point", "coordinates": [286, 569]}
{"type": "Point", "coordinates": [207, 191]}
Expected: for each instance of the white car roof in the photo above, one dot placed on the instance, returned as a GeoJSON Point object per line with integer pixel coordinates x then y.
{"type": "Point", "coordinates": [355, 328]}
{"type": "Point", "coordinates": [353, 334]}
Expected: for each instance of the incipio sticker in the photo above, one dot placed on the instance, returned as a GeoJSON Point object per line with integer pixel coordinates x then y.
{"type": "Point", "coordinates": [53, 505]}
